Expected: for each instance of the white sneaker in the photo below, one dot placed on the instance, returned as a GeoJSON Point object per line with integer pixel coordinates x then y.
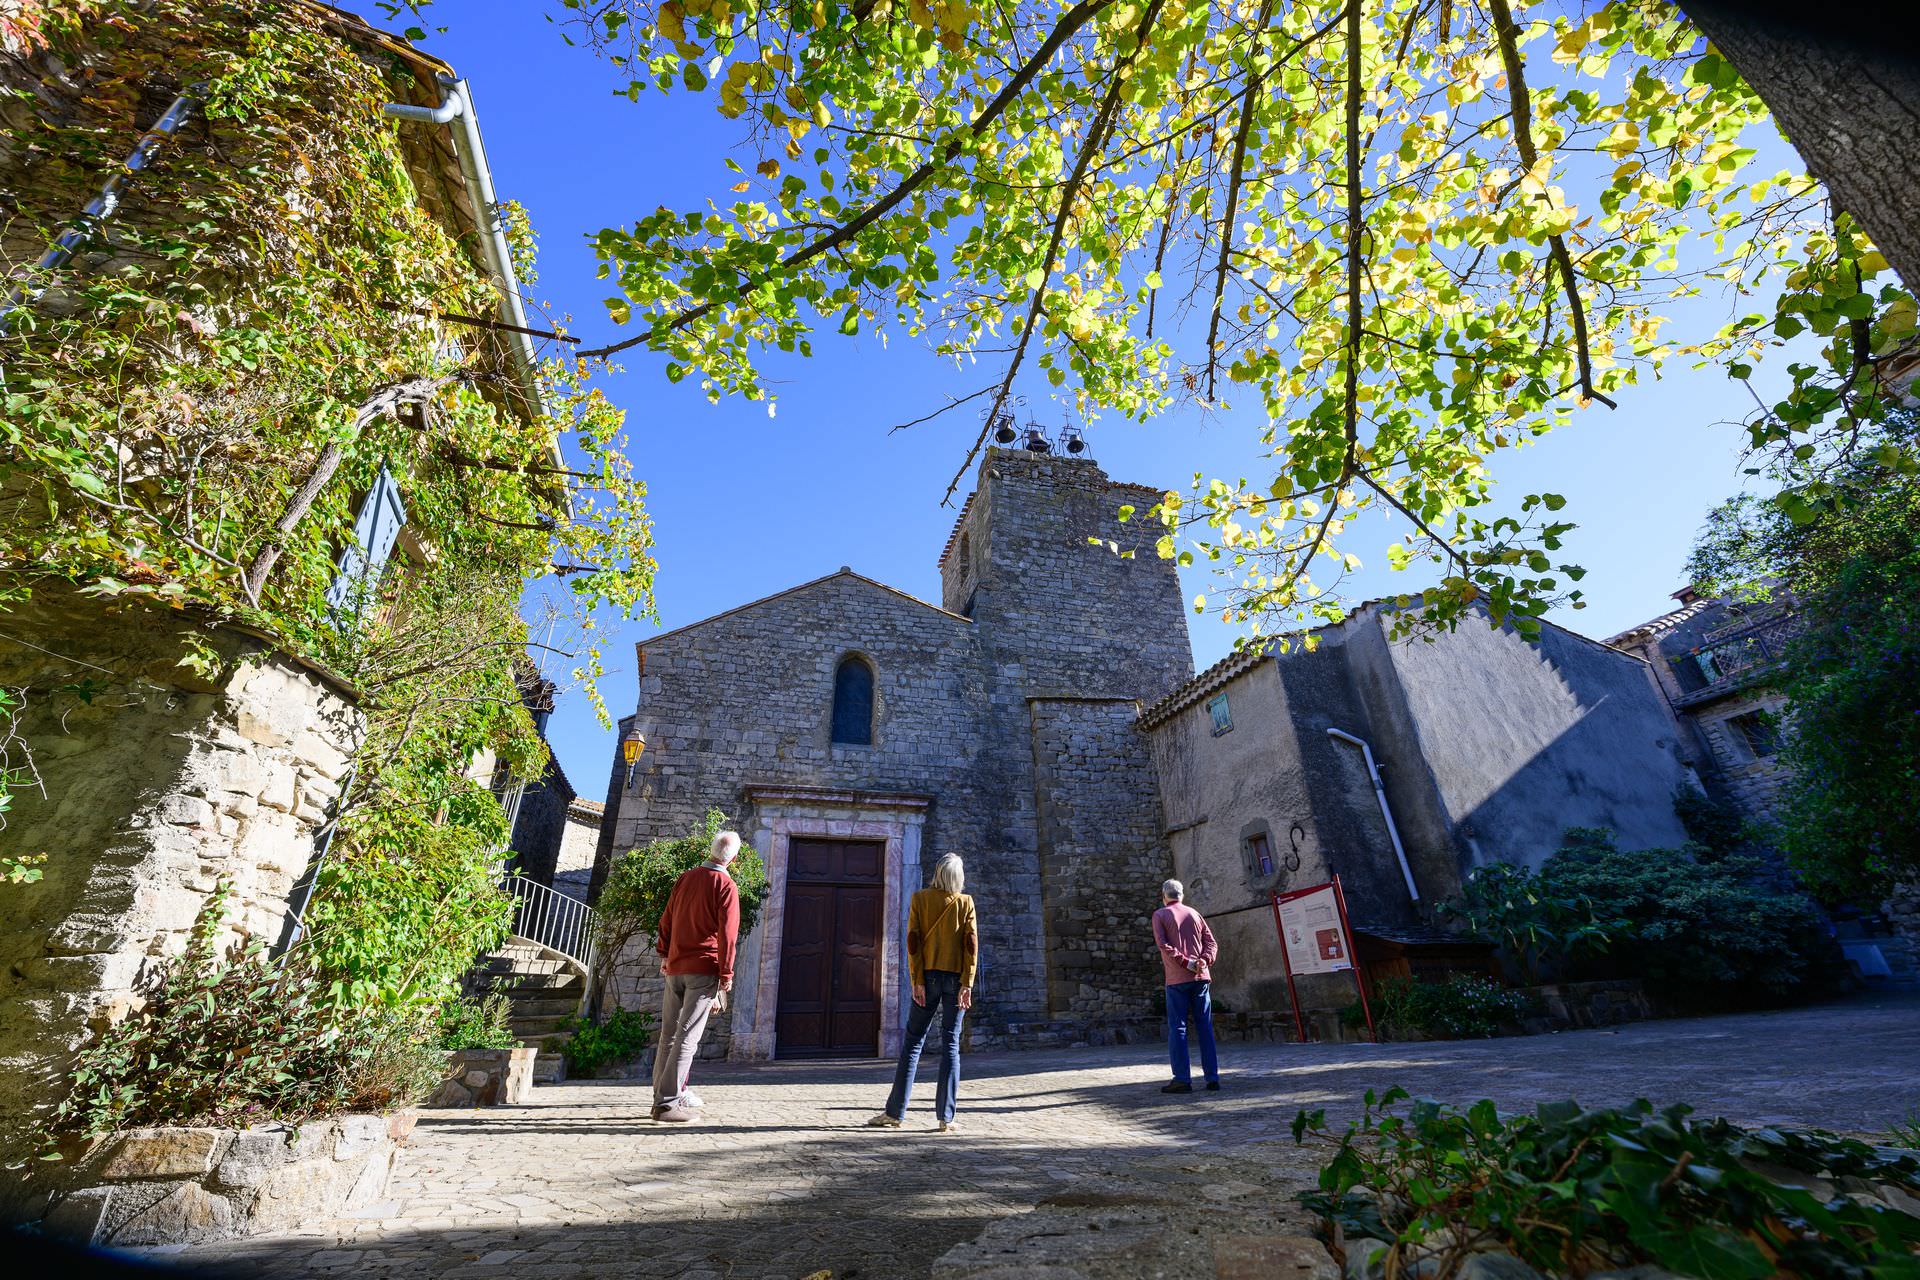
{"type": "Point", "coordinates": [692, 1099]}
{"type": "Point", "coordinates": [883, 1121]}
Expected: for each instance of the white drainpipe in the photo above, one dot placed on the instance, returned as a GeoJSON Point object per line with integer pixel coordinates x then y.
{"type": "Point", "coordinates": [1380, 794]}
{"type": "Point", "coordinates": [457, 110]}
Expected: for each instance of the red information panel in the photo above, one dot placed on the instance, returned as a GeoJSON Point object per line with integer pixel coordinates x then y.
{"type": "Point", "coordinates": [1315, 938]}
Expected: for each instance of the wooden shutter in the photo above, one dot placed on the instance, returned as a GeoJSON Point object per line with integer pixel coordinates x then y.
{"type": "Point", "coordinates": [382, 516]}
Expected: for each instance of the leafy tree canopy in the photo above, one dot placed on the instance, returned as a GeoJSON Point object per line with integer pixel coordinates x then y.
{"type": "Point", "coordinates": [1851, 567]}
{"type": "Point", "coordinates": [1412, 233]}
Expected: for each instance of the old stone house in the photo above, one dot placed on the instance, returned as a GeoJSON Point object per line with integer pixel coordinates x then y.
{"type": "Point", "coordinates": [1712, 660]}
{"type": "Point", "coordinates": [579, 846]}
{"type": "Point", "coordinates": [1044, 722]}
{"type": "Point", "coordinates": [142, 782]}
{"type": "Point", "coordinates": [1716, 662]}
{"type": "Point", "coordinates": [1397, 763]}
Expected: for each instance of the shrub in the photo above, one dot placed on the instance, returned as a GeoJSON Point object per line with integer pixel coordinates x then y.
{"type": "Point", "coordinates": [233, 1040]}
{"type": "Point", "coordinates": [592, 1045]}
{"type": "Point", "coordinates": [1714, 825]}
{"type": "Point", "coordinates": [477, 1024]}
{"type": "Point", "coordinates": [1570, 1191]}
{"type": "Point", "coordinates": [635, 894]}
{"type": "Point", "coordinates": [1700, 931]}
{"type": "Point", "coordinates": [1463, 1007]}
{"type": "Point", "coordinates": [1541, 929]}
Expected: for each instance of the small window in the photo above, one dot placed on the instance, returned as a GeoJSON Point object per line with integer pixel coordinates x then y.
{"type": "Point", "coordinates": [1260, 854]}
{"type": "Point", "coordinates": [966, 554]}
{"type": "Point", "coordinates": [853, 702]}
{"type": "Point", "coordinates": [972, 596]}
{"type": "Point", "coordinates": [1756, 733]}
{"type": "Point", "coordinates": [1222, 718]}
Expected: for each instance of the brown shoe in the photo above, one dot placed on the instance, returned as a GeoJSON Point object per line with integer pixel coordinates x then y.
{"type": "Point", "coordinates": [675, 1115]}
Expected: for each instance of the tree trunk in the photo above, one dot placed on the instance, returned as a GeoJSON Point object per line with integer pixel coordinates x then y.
{"type": "Point", "coordinates": [410, 390]}
{"type": "Point", "coordinates": [1843, 81]}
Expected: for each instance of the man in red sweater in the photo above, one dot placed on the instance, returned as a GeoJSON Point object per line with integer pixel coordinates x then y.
{"type": "Point", "coordinates": [696, 941]}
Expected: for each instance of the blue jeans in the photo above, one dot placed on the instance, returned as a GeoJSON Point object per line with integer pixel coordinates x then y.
{"type": "Point", "coordinates": [943, 988]}
{"type": "Point", "coordinates": [1187, 1001]}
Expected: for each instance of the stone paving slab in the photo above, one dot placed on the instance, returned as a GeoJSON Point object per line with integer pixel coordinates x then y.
{"type": "Point", "coordinates": [784, 1183]}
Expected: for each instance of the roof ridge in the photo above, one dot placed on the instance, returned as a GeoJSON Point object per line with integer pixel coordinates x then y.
{"type": "Point", "coordinates": [842, 572]}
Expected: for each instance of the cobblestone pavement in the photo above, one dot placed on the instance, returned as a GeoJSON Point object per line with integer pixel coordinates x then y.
{"type": "Point", "coordinates": [782, 1182]}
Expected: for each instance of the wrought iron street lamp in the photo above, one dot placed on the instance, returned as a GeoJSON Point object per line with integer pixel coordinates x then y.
{"type": "Point", "coordinates": [630, 748]}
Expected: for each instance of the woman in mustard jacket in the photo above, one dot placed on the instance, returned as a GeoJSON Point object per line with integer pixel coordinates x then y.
{"type": "Point", "coordinates": [943, 939]}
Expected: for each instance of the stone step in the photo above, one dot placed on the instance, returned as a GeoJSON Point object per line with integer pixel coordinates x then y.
{"type": "Point", "coordinates": [529, 1028]}
{"type": "Point", "coordinates": [523, 987]}
{"type": "Point", "coordinates": [544, 1005]}
{"type": "Point", "coordinates": [549, 1067]}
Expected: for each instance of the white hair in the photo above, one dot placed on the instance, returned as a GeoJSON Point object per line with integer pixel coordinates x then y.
{"type": "Point", "coordinates": [1173, 889]}
{"type": "Point", "coordinates": [950, 874]}
{"type": "Point", "coordinates": [726, 847]}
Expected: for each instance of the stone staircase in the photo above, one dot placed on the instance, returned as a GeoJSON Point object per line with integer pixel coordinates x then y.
{"type": "Point", "coordinates": [545, 987]}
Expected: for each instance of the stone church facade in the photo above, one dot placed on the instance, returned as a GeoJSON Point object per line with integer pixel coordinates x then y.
{"type": "Point", "coordinates": [1000, 728]}
{"type": "Point", "coordinates": [1044, 722]}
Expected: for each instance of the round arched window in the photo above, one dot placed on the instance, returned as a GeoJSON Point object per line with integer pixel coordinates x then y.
{"type": "Point", "coordinates": [853, 702]}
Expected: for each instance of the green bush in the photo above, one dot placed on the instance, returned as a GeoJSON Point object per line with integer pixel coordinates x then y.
{"type": "Point", "coordinates": [1701, 928]}
{"type": "Point", "coordinates": [1463, 1007]}
{"type": "Point", "coordinates": [477, 1024]}
{"type": "Point", "coordinates": [592, 1045]}
{"type": "Point", "coordinates": [640, 880]}
{"type": "Point", "coordinates": [1702, 932]}
{"type": "Point", "coordinates": [1714, 825]}
{"type": "Point", "coordinates": [1570, 1191]}
{"type": "Point", "coordinates": [232, 1039]}
{"type": "Point", "coordinates": [1541, 929]}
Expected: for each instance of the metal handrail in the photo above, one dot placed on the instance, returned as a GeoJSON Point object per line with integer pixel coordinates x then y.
{"type": "Point", "coordinates": [554, 920]}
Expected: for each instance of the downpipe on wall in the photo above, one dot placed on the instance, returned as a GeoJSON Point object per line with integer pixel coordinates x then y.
{"type": "Point", "coordinates": [1386, 811]}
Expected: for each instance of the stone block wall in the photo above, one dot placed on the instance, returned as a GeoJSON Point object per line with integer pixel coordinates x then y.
{"type": "Point", "coordinates": [154, 784]}
{"type": "Point", "coordinates": [1757, 783]}
{"type": "Point", "coordinates": [1070, 600]}
{"type": "Point", "coordinates": [149, 1187]}
{"type": "Point", "coordinates": [1102, 858]}
{"type": "Point", "coordinates": [579, 846]}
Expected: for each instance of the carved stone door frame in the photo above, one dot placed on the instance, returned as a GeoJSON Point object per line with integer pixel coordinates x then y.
{"type": "Point", "coordinates": [896, 820]}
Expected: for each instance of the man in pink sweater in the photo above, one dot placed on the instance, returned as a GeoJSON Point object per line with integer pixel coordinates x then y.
{"type": "Point", "coordinates": [1187, 952]}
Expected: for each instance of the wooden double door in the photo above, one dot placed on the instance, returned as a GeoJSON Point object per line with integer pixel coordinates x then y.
{"type": "Point", "coordinates": [830, 950]}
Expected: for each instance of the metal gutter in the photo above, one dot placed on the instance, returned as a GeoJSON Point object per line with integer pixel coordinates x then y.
{"type": "Point", "coordinates": [456, 109]}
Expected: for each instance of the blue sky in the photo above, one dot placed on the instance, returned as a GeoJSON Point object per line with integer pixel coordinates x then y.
{"type": "Point", "coordinates": [746, 504]}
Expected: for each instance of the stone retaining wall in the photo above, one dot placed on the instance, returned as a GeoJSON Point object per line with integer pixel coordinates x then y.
{"type": "Point", "coordinates": [176, 1186]}
{"type": "Point", "coordinates": [156, 782]}
{"type": "Point", "coordinates": [486, 1078]}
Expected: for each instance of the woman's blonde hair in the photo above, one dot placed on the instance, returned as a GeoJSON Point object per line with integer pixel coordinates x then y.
{"type": "Point", "coordinates": [950, 874]}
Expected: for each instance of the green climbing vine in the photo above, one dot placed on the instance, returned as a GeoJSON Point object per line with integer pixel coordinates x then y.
{"type": "Point", "coordinates": [195, 404]}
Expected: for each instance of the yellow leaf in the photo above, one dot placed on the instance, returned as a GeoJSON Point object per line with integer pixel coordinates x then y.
{"type": "Point", "coordinates": [673, 22]}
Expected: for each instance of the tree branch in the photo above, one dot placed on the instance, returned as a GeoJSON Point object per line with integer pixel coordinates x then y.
{"type": "Point", "coordinates": [1096, 136]}
{"type": "Point", "coordinates": [1522, 110]}
{"type": "Point", "coordinates": [1070, 22]}
{"type": "Point", "coordinates": [411, 390]}
{"type": "Point", "coordinates": [1247, 103]}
